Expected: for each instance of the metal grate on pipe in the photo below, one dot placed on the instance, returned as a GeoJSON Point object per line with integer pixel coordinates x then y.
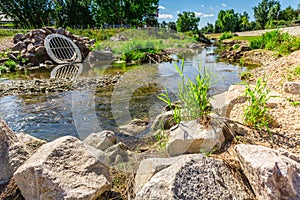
{"type": "Point", "coordinates": [68, 71]}
{"type": "Point", "coordinates": [61, 49]}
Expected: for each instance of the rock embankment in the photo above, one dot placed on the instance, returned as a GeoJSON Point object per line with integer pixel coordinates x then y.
{"type": "Point", "coordinates": [30, 47]}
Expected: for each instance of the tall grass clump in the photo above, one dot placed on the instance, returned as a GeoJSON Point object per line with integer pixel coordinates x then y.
{"type": "Point", "coordinates": [275, 40]}
{"type": "Point", "coordinates": [226, 35]}
{"type": "Point", "coordinates": [256, 112]}
{"type": "Point", "coordinates": [193, 96]}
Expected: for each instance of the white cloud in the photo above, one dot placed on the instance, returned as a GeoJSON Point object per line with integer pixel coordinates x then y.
{"type": "Point", "coordinates": [165, 16]}
{"type": "Point", "coordinates": [161, 7]}
{"type": "Point", "coordinates": [202, 5]}
{"type": "Point", "coordinates": [178, 11]}
{"type": "Point", "coordinates": [200, 14]}
{"type": "Point", "coordinates": [211, 8]}
{"type": "Point", "coordinates": [224, 4]}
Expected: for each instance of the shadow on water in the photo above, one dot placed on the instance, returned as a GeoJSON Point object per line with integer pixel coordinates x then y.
{"type": "Point", "coordinates": [81, 112]}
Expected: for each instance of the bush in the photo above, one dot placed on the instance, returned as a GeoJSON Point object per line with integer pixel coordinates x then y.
{"type": "Point", "coordinates": [11, 65]}
{"type": "Point", "coordinates": [3, 69]}
{"type": "Point", "coordinates": [255, 113]}
{"type": "Point", "coordinates": [226, 35]}
{"type": "Point", "coordinates": [192, 95]}
{"type": "Point", "coordinates": [276, 41]}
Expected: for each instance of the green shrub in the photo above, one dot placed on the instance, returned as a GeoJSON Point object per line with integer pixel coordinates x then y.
{"type": "Point", "coordinates": [276, 41]}
{"type": "Point", "coordinates": [236, 46]}
{"type": "Point", "coordinates": [3, 69]}
{"type": "Point", "coordinates": [11, 65]}
{"type": "Point", "coordinates": [192, 95]}
{"type": "Point", "coordinates": [226, 35]}
{"type": "Point", "coordinates": [255, 114]}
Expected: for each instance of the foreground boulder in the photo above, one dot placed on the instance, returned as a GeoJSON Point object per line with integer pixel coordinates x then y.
{"type": "Point", "coordinates": [189, 177]}
{"type": "Point", "coordinates": [273, 174]}
{"type": "Point", "coordinates": [193, 137]}
{"type": "Point", "coordinates": [62, 169]}
{"type": "Point", "coordinates": [13, 153]}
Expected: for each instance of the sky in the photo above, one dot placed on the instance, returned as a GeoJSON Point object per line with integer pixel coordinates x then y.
{"type": "Point", "coordinates": [208, 10]}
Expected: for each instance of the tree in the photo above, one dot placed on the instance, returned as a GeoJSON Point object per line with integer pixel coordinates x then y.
{"type": "Point", "coordinates": [187, 21]}
{"type": "Point", "coordinates": [209, 28]}
{"type": "Point", "coordinates": [265, 11]}
{"type": "Point", "coordinates": [244, 22]}
{"type": "Point", "coordinates": [29, 13]}
{"type": "Point", "coordinates": [227, 21]}
{"type": "Point", "coordinates": [172, 26]}
{"type": "Point", "coordinates": [288, 14]}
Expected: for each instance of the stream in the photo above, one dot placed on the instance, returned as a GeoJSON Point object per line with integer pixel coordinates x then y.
{"type": "Point", "coordinates": [81, 112]}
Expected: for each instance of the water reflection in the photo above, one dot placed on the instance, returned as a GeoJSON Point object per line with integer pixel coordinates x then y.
{"type": "Point", "coordinates": [82, 112]}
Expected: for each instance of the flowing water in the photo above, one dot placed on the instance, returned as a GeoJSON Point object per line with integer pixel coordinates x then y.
{"type": "Point", "coordinates": [80, 113]}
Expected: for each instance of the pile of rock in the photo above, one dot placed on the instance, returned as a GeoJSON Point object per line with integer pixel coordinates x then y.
{"type": "Point", "coordinates": [30, 46]}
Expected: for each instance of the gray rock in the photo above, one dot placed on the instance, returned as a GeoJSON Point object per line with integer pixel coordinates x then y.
{"type": "Point", "coordinates": [101, 140]}
{"type": "Point", "coordinates": [192, 137]}
{"type": "Point", "coordinates": [164, 120]}
{"type": "Point", "coordinates": [30, 48]}
{"type": "Point", "coordinates": [117, 154]}
{"type": "Point", "coordinates": [273, 174]}
{"type": "Point", "coordinates": [18, 37]}
{"type": "Point", "coordinates": [38, 38]}
{"type": "Point", "coordinates": [19, 46]}
{"type": "Point", "coordinates": [60, 30]}
{"type": "Point", "coordinates": [13, 153]}
{"type": "Point", "coordinates": [135, 127]}
{"type": "Point", "coordinates": [96, 153]}
{"type": "Point", "coordinates": [95, 56]}
{"type": "Point", "coordinates": [12, 56]}
{"type": "Point", "coordinates": [62, 169]}
{"type": "Point", "coordinates": [223, 103]}
{"type": "Point", "coordinates": [292, 87]}
{"type": "Point", "coordinates": [192, 177]}
{"type": "Point", "coordinates": [40, 50]}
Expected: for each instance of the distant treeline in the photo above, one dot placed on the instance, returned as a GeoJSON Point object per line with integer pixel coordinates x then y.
{"type": "Point", "coordinates": [268, 14]}
{"type": "Point", "coordinates": [79, 13]}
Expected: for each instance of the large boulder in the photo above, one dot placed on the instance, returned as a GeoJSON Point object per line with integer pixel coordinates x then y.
{"type": "Point", "coordinates": [193, 137]}
{"type": "Point", "coordinates": [95, 56]}
{"type": "Point", "coordinates": [273, 174]}
{"type": "Point", "coordinates": [189, 177]}
{"type": "Point", "coordinates": [101, 140]}
{"type": "Point", "coordinates": [223, 103]}
{"type": "Point", "coordinates": [62, 169]}
{"type": "Point", "coordinates": [13, 153]}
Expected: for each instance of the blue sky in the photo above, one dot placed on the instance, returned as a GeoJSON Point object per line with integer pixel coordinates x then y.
{"type": "Point", "coordinates": [208, 10]}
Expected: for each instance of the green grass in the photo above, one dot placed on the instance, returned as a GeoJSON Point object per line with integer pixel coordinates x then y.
{"type": "Point", "coordinates": [11, 65]}
{"type": "Point", "coordinates": [245, 38]}
{"type": "Point", "coordinates": [282, 43]}
{"type": "Point", "coordinates": [256, 112]}
{"type": "Point", "coordinates": [10, 32]}
{"type": "Point", "coordinates": [193, 96]}
{"type": "Point", "coordinates": [226, 35]}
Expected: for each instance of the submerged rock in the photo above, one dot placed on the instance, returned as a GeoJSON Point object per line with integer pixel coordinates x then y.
{"type": "Point", "coordinates": [63, 169]}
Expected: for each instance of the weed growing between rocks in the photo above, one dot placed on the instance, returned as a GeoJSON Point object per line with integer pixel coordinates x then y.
{"type": "Point", "coordinates": [193, 96]}
{"type": "Point", "coordinates": [256, 112]}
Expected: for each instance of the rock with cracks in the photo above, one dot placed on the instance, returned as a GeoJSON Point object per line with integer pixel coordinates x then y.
{"type": "Point", "coordinates": [13, 153]}
{"type": "Point", "coordinates": [193, 137]}
{"type": "Point", "coordinates": [273, 174]}
{"type": "Point", "coordinates": [192, 177]}
{"type": "Point", "coordinates": [62, 169]}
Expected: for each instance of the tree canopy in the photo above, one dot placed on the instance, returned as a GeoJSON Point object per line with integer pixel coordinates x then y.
{"type": "Point", "coordinates": [74, 13]}
{"type": "Point", "coordinates": [187, 21]}
{"type": "Point", "coordinates": [265, 11]}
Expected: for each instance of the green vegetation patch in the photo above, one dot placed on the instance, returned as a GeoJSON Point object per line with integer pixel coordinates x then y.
{"type": "Point", "coordinates": [226, 35]}
{"type": "Point", "coordinates": [275, 40]}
